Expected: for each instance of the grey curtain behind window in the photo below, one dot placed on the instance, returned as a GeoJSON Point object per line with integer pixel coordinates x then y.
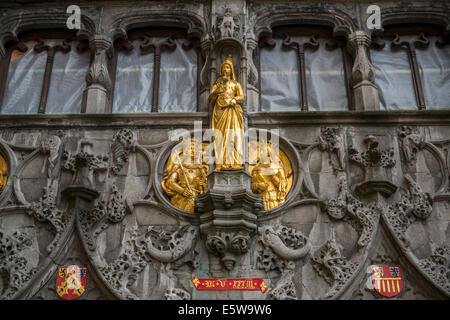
{"type": "Point", "coordinates": [178, 80]}
{"type": "Point", "coordinates": [134, 77]}
{"type": "Point", "coordinates": [434, 65]}
{"type": "Point", "coordinates": [393, 78]}
{"type": "Point", "coordinates": [24, 82]}
{"type": "Point", "coordinates": [324, 78]}
{"type": "Point", "coordinates": [279, 79]}
{"type": "Point", "coordinates": [68, 81]}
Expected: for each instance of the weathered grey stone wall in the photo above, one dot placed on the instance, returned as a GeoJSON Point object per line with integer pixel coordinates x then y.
{"type": "Point", "coordinates": [370, 187]}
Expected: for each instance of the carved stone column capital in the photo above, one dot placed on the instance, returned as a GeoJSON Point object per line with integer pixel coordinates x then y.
{"type": "Point", "coordinates": [365, 92]}
{"type": "Point", "coordinates": [98, 79]}
{"type": "Point", "coordinates": [98, 71]}
{"type": "Point", "coordinates": [100, 43]}
{"type": "Point", "coordinates": [356, 40]}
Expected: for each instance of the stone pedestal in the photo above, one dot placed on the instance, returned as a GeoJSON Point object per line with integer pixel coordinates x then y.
{"type": "Point", "coordinates": [80, 197]}
{"type": "Point", "coordinates": [228, 214]}
{"type": "Point", "coordinates": [366, 96]}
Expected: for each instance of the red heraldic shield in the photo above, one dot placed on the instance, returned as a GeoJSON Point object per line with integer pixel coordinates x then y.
{"type": "Point", "coordinates": [71, 282]}
{"type": "Point", "coordinates": [387, 280]}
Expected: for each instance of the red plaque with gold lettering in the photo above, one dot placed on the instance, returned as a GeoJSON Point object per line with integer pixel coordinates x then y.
{"type": "Point", "coordinates": [230, 284]}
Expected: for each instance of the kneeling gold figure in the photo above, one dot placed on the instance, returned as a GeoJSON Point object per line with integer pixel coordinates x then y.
{"type": "Point", "coordinates": [182, 182]}
{"type": "Point", "coordinates": [272, 180]}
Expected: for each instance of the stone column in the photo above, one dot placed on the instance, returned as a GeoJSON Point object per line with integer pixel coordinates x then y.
{"type": "Point", "coordinates": [252, 74]}
{"type": "Point", "coordinates": [365, 92]}
{"type": "Point", "coordinates": [98, 80]}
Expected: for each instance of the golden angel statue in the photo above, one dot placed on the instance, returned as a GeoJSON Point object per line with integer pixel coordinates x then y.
{"type": "Point", "coordinates": [183, 181]}
{"type": "Point", "coordinates": [227, 97]}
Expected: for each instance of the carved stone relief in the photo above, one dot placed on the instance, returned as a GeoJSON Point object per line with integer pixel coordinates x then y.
{"type": "Point", "coordinates": [329, 263]}
{"type": "Point", "coordinates": [14, 266]}
{"type": "Point", "coordinates": [350, 209]}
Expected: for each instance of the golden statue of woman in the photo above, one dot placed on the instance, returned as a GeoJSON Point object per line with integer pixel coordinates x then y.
{"type": "Point", "coordinates": [227, 97]}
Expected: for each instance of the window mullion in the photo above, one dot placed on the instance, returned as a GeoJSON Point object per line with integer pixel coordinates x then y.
{"type": "Point", "coordinates": [410, 49]}
{"type": "Point", "coordinates": [157, 48]}
{"type": "Point", "coordinates": [347, 74]}
{"type": "Point", "coordinates": [312, 44]}
{"type": "Point", "coordinates": [51, 50]}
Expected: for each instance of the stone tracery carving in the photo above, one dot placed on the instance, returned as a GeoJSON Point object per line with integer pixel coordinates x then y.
{"type": "Point", "coordinates": [13, 263]}
{"type": "Point", "coordinates": [123, 272]}
{"type": "Point", "coordinates": [375, 163]}
{"type": "Point", "coordinates": [177, 245]}
{"type": "Point", "coordinates": [329, 263]}
{"type": "Point", "coordinates": [123, 144]}
{"type": "Point", "coordinates": [373, 157]}
{"type": "Point", "coordinates": [102, 215]}
{"type": "Point", "coordinates": [437, 266]}
{"type": "Point", "coordinates": [50, 146]}
{"type": "Point", "coordinates": [139, 250]}
{"type": "Point", "coordinates": [46, 210]}
{"type": "Point", "coordinates": [284, 289]}
{"type": "Point", "coordinates": [83, 159]}
{"type": "Point", "coordinates": [282, 246]}
{"type": "Point", "coordinates": [344, 204]}
{"type": "Point", "coordinates": [414, 204]}
{"type": "Point", "coordinates": [411, 141]}
{"type": "Point", "coordinates": [177, 294]}
{"type": "Point", "coordinates": [330, 140]}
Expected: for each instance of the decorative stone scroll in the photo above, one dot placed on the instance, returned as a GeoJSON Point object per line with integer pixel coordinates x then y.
{"type": "Point", "coordinates": [414, 204]}
{"type": "Point", "coordinates": [46, 210]}
{"type": "Point", "coordinates": [123, 272]}
{"type": "Point", "coordinates": [411, 141]}
{"type": "Point", "coordinates": [281, 247]}
{"type": "Point", "coordinates": [14, 267]}
{"type": "Point", "coordinates": [329, 263]}
{"type": "Point", "coordinates": [123, 143]}
{"type": "Point", "coordinates": [102, 216]}
{"type": "Point", "coordinates": [437, 266]}
{"type": "Point", "coordinates": [347, 207]}
{"type": "Point", "coordinates": [331, 140]}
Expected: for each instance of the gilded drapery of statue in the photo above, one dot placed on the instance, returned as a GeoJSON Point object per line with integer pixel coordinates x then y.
{"type": "Point", "coordinates": [271, 179]}
{"type": "Point", "coordinates": [227, 98]}
{"type": "Point", "coordinates": [3, 173]}
{"type": "Point", "coordinates": [183, 181]}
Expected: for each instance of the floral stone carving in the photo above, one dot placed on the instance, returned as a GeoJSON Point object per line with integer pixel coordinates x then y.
{"type": "Point", "coordinates": [414, 204]}
{"type": "Point", "coordinates": [375, 162]}
{"type": "Point", "coordinates": [13, 265]}
{"type": "Point", "coordinates": [348, 208]}
{"type": "Point", "coordinates": [329, 263]}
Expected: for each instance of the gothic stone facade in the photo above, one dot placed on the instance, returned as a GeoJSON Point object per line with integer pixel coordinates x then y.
{"type": "Point", "coordinates": [370, 187]}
